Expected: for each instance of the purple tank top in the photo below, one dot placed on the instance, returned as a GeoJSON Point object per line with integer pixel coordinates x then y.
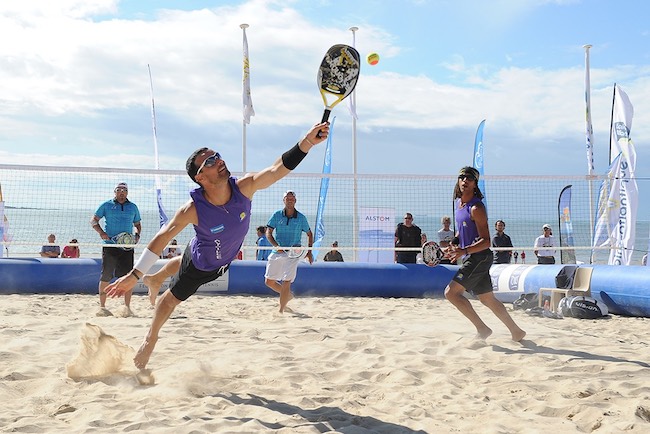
{"type": "Point", "coordinates": [221, 229]}
{"type": "Point", "coordinates": [465, 225]}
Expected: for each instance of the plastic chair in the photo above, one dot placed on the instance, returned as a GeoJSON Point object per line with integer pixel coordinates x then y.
{"type": "Point", "coordinates": [581, 285]}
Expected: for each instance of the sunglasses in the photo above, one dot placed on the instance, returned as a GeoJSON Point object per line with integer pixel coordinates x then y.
{"type": "Point", "coordinates": [463, 177]}
{"type": "Point", "coordinates": [209, 162]}
{"type": "Point", "coordinates": [121, 190]}
{"type": "Point", "coordinates": [408, 218]}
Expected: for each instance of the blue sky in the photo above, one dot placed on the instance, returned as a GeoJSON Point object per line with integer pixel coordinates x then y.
{"type": "Point", "coordinates": [74, 86]}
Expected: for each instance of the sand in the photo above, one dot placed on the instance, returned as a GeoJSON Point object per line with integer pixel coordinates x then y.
{"type": "Point", "coordinates": [232, 364]}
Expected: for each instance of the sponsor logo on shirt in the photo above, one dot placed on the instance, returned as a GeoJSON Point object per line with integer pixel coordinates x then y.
{"type": "Point", "coordinates": [217, 229]}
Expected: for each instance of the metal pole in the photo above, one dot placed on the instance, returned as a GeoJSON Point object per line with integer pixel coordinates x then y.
{"type": "Point", "coordinates": [355, 211]}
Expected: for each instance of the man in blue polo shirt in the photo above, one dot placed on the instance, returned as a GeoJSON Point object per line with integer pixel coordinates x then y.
{"type": "Point", "coordinates": [288, 224]}
{"type": "Point", "coordinates": [120, 215]}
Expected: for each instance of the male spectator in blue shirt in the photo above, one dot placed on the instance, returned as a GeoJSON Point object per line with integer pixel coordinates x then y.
{"type": "Point", "coordinates": [262, 241]}
{"type": "Point", "coordinates": [120, 215]}
{"type": "Point", "coordinates": [288, 224]}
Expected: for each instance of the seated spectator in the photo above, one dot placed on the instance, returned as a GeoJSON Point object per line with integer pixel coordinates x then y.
{"type": "Point", "coordinates": [50, 250]}
{"type": "Point", "coordinates": [71, 251]}
{"type": "Point", "coordinates": [172, 251]}
{"type": "Point", "coordinates": [334, 255]}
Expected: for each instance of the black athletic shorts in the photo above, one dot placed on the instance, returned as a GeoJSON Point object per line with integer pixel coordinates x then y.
{"type": "Point", "coordinates": [116, 262]}
{"type": "Point", "coordinates": [189, 278]}
{"type": "Point", "coordinates": [474, 274]}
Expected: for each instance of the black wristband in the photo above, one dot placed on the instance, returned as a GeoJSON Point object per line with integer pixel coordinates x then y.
{"type": "Point", "coordinates": [293, 157]}
{"type": "Point", "coordinates": [134, 274]}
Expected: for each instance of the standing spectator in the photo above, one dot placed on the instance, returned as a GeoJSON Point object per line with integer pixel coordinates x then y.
{"type": "Point", "coordinates": [523, 257]}
{"type": "Point", "coordinates": [544, 246]}
{"type": "Point", "coordinates": [515, 255]}
{"type": "Point", "coordinates": [172, 251]}
{"type": "Point", "coordinates": [501, 239]}
{"type": "Point", "coordinates": [288, 224]}
{"type": "Point", "coordinates": [333, 255]}
{"type": "Point", "coordinates": [50, 250]}
{"type": "Point", "coordinates": [120, 215]}
{"type": "Point", "coordinates": [473, 244]}
{"type": "Point", "coordinates": [71, 251]}
{"type": "Point", "coordinates": [445, 235]}
{"type": "Point", "coordinates": [644, 260]}
{"type": "Point", "coordinates": [407, 235]}
{"type": "Point", "coordinates": [262, 241]}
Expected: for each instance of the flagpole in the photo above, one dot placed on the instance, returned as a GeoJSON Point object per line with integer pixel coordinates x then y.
{"type": "Point", "coordinates": [246, 97]}
{"type": "Point", "coordinates": [163, 219]}
{"type": "Point", "coordinates": [355, 211]}
{"type": "Point", "coordinates": [611, 124]}
{"type": "Point", "coordinates": [590, 144]}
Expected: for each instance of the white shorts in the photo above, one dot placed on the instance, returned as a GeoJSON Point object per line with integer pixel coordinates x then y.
{"type": "Point", "coordinates": [281, 267]}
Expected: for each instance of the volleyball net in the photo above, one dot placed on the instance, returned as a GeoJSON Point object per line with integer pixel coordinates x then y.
{"type": "Point", "coordinates": [360, 212]}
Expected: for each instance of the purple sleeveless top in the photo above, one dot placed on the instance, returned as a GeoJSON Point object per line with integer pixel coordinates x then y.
{"type": "Point", "coordinates": [221, 229]}
{"type": "Point", "coordinates": [467, 232]}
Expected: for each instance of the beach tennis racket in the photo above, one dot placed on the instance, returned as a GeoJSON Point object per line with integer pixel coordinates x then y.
{"type": "Point", "coordinates": [337, 76]}
{"type": "Point", "coordinates": [124, 238]}
{"type": "Point", "coordinates": [432, 253]}
{"type": "Point", "coordinates": [296, 252]}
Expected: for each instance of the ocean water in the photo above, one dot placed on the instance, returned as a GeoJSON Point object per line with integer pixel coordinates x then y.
{"type": "Point", "coordinates": [29, 229]}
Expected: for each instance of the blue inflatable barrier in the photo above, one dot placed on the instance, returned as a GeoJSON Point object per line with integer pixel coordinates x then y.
{"type": "Point", "coordinates": [81, 276]}
{"type": "Point", "coordinates": [625, 290]}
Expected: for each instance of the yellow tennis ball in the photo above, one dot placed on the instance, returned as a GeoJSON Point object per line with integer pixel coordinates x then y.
{"type": "Point", "coordinates": [373, 58]}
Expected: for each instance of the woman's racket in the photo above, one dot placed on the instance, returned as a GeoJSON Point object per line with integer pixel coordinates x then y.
{"type": "Point", "coordinates": [337, 75]}
{"type": "Point", "coordinates": [432, 253]}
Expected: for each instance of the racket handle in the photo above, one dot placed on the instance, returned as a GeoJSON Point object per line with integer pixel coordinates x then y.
{"type": "Point", "coordinates": [326, 116]}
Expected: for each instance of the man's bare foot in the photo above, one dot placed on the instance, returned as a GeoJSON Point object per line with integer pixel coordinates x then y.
{"type": "Point", "coordinates": [144, 352]}
{"type": "Point", "coordinates": [518, 335]}
{"type": "Point", "coordinates": [483, 333]}
{"type": "Point", "coordinates": [153, 287]}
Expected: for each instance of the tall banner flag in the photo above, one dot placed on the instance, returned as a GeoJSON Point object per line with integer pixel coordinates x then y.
{"type": "Point", "coordinates": [608, 204]}
{"type": "Point", "coordinates": [628, 194]}
{"type": "Point", "coordinates": [478, 159]}
{"type": "Point", "coordinates": [622, 114]}
{"type": "Point", "coordinates": [589, 129]}
{"type": "Point", "coordinates": [4, 227]}
{"type": "Point", "coordinates": [158, 183]}
{"type": "Point", "coordinates": [246, 96]}
{"type": "Point", "coordinates": [324, 185]}
{"type": "Point", "coordinates": [618, 201]}
{"type": "Point", "coordinates": [2, 224]}
{"type": "Point", "coordinates": [567, 256]}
